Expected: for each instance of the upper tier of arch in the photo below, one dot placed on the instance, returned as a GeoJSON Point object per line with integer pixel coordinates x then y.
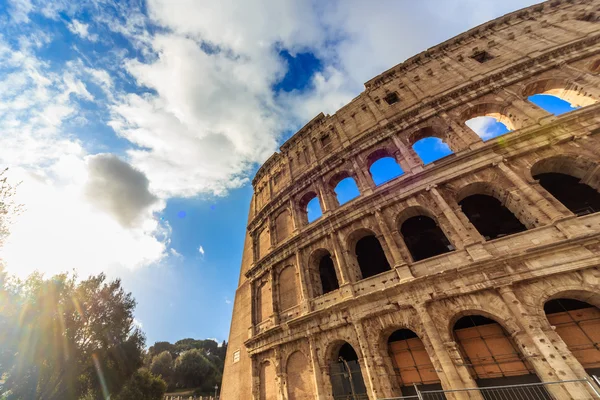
{"type": "Point", "coordinates": [434, 89]}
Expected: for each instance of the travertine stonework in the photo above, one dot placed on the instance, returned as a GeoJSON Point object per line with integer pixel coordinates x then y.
{"type": "Point", "coordinates": [285, 333]}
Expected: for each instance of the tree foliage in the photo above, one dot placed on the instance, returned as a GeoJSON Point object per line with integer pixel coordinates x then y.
{"type": "Point", "coordinates": [189, 363]}
{"type": "Point", "coordinates": [162, 365]}
{"type": "Point", "coordinates": [143, 385]}
{"type": "Point", "coordinates": [67, 339]}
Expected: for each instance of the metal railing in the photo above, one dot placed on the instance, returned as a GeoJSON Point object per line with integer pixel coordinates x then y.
{"type": "Point", "coordinates": [526, 391]}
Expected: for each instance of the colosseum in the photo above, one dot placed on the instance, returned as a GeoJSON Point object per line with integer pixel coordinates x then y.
{"type": "Point", "coordinates": [459, 278]}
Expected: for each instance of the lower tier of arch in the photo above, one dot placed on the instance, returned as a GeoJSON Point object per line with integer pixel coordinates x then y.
{"type": "Point", "coordinates": [532, 330]}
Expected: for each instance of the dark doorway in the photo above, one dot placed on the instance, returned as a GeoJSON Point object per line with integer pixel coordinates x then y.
{"type": "Point", "coordinates": [412, 365]}
{"type": "Point", "coordinates": [329, 280]}
{"type": "Point", "coordinates": [346, 377]}
{"type": "Point", "coordinates": [491, 356]}
{"type": "Point", "coordinates": [490, 217]}
{"type": "Point", "coordinates": [370, 256]}
{"type": "Point", "coordinates": [578, 197]}
{"type": "Point", "coordinates": [578, 324]}
{"type": "Point", "coordinates": [424, 238]}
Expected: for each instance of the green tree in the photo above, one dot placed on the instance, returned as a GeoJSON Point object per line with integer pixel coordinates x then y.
{"type": "Point", "coordinates": [71, 339]}
{"type": "Point", "coordinates": [162, 365]}
{"type": "Point", "coordinates": [143, 385]}
{"type": "Point", "coordinates": [191, 368]}
{"type": "Point", "coordinates": [159, 347]}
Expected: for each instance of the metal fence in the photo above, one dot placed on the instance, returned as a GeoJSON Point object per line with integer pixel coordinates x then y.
{"type": "Point", "coordinates": [527, 391]}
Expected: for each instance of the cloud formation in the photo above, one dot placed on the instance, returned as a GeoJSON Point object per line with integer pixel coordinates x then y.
{"type": "Point", "coordinates": [116, 187]}
{"type": "Point", "coordinates": [185, 93]}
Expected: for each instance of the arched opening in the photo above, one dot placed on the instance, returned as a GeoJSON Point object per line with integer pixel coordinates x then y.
{"type": "Point", "coordinates": [490, 217]}
{"type": "Point", "coordinates": [579, 198]}
{"type": "Point", "coordinates": [552, 104]}
{"type": "Point", "coordinates": [346, 376]}
{"type": "Point", "coordinates": [558, 96]}
{"type": "Point", "coordinates": [383, 166]}
{"type": "Point", "coordinates": [489, 120]}
{"type": "Point", "coordinates": [310, 207]}
{"type": "Point", "coordinates": [327, 275]}
{"type": "Point", "coordinates": [385, 169]}
{"type": "Point", "coordinates": [487, 127]}
{"type": "Point", "coordinates": [371, 257]}
{"type": "Point", "coordinates": [424, 238]}
{"type": "Point", "coordinates": [346, 190]}
{"type": "Point", "coordinates": [411, 363]}
{"type": "Point", "coordinates": [430, 149]}
{"type": "Point", "coordinates": [490, 353]}
{"type": "Point", "coordinates": [578, 324]}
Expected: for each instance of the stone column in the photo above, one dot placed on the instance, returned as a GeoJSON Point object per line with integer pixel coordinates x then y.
{"type": "Point", "coordinates": [457, 226]}
{"type": "Point", "coordinates": [295, 217]}
{"type": "Point", "coordinates": [367, 367]}
{"type": "Point", "coordinates": [327, 202]}
{"type": "Point", "coordinates": [468, 136]}
{"type": "Point", "coordinates": [531, 194]}
{"type": "Point", "coordinates": [364, 179]}
{"type": "Point", "coordinates": [340, 262]}
{"type": "Point", "coordinates": [413, 161]}
{"type": "Point", "coordinates": [280, 375]}
{"type": "Point", "coordinates": [542, 343]}
{"type": "Point", "coordinates": [389, 240]}
{"type": "Point", "coordinates": [316, 366]}
{"type": "Point", "coordinates": [255, 378]}
{"type": "Point", "coordinates": [274, 296]}
{"type": "Point", "coordinates": [472, 245]}
{"type": "Point", "coordinates": [304, 291]}
{"type": "Point", "coordinates": [448, 367]}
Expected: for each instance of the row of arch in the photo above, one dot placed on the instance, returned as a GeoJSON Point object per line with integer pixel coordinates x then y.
{"type": "Point", "coordinates": [485, 207]}
{"type": "Point", "coordinates": [491, 354]}
{"type": "Point", "coordinates": [431, 143]}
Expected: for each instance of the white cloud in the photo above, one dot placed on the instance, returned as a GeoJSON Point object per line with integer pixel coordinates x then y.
{"type": "Point", "coordinates": [227, 301]}
{"type": "Point", "coordinates": [196, 103]}
{"type": "Point", "coordinates": [482, 126]}
{"type": "Point", "coordinates": [82, 30]}
{"type": "Point", "coordinates": [212, 112]}
{"type": "Point", "coordinates": [175, 253]}
{"type": "Point", "coordinates": [61, 227]}
{"type": "Point", "coordinates": [61, 231]}
{"type": "Point", "coordinates": [19, 10]}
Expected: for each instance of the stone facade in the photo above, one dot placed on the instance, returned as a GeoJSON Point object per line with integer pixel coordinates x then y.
{"type": "Point", "coordinates": [286, 334]}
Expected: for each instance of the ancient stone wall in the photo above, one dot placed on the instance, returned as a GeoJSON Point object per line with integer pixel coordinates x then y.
{"type": "Point", "coordinates": [291, 318]}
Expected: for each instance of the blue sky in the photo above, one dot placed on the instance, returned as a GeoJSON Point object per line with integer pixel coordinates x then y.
{"type": "Point", "coordinates": [135, 128]}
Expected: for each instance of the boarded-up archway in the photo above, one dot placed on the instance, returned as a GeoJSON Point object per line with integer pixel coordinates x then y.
{"type": "Point", "coordinates": [288, 295]}
{"type": "Point", "coordinates": [578, 324]}
{"type": "Point", "coordinates": [490, 353]}
{"type": "Point", "coordinates": [268, 387]}
{"type": "Point", "coordinates": [299, 378]}
{"type": "Point", "coordinates": [411, 362]}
